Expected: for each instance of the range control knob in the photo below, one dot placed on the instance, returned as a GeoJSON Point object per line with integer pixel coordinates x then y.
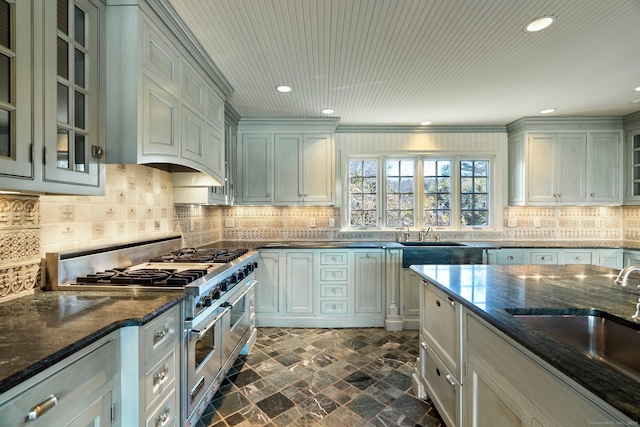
{"type": "Point", "coordinates": [224, 285]}
{"type": "Point", "coordinates": [215, 293]}
{"type": "Point", "coordinates": [233, 279]}
{"type": "Point", "coordinates": [207, 301]}
{"type": "Point", "coordinates": [240, 275]}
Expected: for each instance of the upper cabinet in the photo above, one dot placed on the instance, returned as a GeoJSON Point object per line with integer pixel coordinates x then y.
{"type": "Point", "coordinates": [163, 106]}
{"type": "Point", "coordinates": [52, 101]}
{"type": "Point", "coordinates": [632, 163]}
{"type": "Point", "coordinates": [572, 161]}
{"type": "Point", "coordinates": [287, 162]}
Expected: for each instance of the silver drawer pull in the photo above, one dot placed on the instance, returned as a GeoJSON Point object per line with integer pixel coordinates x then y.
{"type": "Point", "coordinates": [578, 258]}
{"type": "Point", "coordinates": [544, 258]}
{"type": "Point", "coordinates": [451, 301]}
{"type": "Point", "coordinates": [423, 345]}
{"type": "Point", "coordinates": [162, 419]}
{"type": "Point", "coordinates": [41, 408]}
{"type": "Point", "coordinates": [451, 381]}
{"type": "Point", "coordinates": [159, 335]}
{"type": "Point", "coordinates": [510, 257]}
{"type": "Point", "coordinates": [161, 376]}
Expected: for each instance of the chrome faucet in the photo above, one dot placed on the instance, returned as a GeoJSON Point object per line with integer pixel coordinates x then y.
{"type": "Point", "coordinates": [622, 280]}
{"type": "Point", "coordinates": [424, 233]}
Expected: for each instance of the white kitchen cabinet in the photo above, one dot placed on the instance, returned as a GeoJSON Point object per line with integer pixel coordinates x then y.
{"type": "Point", "coordinates": [565, 161]}
{"type": "Point", "coordinates": [287, 162]}
{"type": "Point", "coordinates": [257, 168]}
{"type": "Point", "coordinates": [632, 158]}
{"type": "Point", "coordinates": [604, 257]}
{"type": "Point", "coordinates": [299, 286]}
{"type": "Point", "coordinates": [152, 372]}
{"type": "Point", "coordinates": [303, 168]}
{"type": "Point", "coordinates": [439, 368]}
{"type": "Point", "coordinates": [320, 288]}
{"type": "Point", "coordinates": [507, 385]}
{"type": "Point", "coordinates": [410, 295]}
{"type": "Point", "coordinates": [556, 168]}
{"type": "Point", "coordinates": [268, 287]}
{"type": "Point", "coordinates": [56, 99]}
{"type": "Point", "coordinates": [163, 107]}
{"type": "Point", "coordinates": [78, 391]}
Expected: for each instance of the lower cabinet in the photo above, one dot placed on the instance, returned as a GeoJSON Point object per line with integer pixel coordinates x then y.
{"type": "Point", "coordinates": [78, 391]}
{"type": "Point", "coordinates": [611, 258]}
{"type": "Point", "coordinates": [151, 373]}
{"type": "Point", "coordinates": [320, 288]}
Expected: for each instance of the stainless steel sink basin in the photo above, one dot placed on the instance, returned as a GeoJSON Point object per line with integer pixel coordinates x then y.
{"type": "Point", "coordinates": [603, 339]}
{"type": "Point", "coordinates": [431, 243]}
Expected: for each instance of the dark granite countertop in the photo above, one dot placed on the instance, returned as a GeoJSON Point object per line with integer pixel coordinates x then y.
{"type": "Point", "coordinates": [488, 290]}
{"type": "Point", "coordinates": [41, 329]}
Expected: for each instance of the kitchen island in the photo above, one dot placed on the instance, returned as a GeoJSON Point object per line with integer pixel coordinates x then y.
{"type": "Point", "coordinates": [491, 295]}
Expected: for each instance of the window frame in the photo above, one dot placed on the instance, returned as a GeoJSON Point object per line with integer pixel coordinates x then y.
{"type": "Point", "coordinates": [493, 216]}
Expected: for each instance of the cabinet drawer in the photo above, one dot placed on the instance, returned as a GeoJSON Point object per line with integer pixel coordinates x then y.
{"type": "Point", "coordinates": [442, 387]}
{"type": "Point", "coordinates": [334, 258]}
{"type": "Point", "coordinates": [159, 378]}
{"type": "Point", "coordinates": [334, 274]}
{"type": "Point", "coordinates": [69, 385]}
{"type": "Point", "coordinates": [544, 257]}
{"type": "Point", "coordinates": [333, 291]}
{"type": "Point", "coordinates": [506, 257]}
{"type": "Point", "coordinates": [441, 326]}
{"type": "Point", "coordinates": [160, 334]}
{"type": "Point", "coordinates": [334, 307]}
{"type": "Point", "coordinates": [166, 414]}
{"type": "Point", "coordinates": [577, 257]}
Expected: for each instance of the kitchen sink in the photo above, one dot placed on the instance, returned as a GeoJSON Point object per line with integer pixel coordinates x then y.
{"type": "Point", "coordinates": [598, 337]}
{"type": "Point", "coordinates": [432, 243]}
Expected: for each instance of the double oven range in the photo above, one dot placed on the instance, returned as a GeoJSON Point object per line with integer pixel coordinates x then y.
{"type": "Point", "coordinates": [218, 320]}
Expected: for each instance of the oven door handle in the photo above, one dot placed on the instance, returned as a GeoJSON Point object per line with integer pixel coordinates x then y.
{"type": "Point", "coordinates": [196, 335]}
{"type": "Point", "coordinates": [248, 287]}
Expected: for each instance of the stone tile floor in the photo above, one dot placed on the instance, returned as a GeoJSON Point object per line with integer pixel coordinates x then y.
{"type": "Point", "coordinates": [323, 377]}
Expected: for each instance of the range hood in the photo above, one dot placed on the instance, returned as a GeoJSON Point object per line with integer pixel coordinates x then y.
{"type": "Point", "coordinates": [192, 187]}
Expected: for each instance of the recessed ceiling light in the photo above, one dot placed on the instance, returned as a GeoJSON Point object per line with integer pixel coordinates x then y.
{"type": "Point", "coordinates": [327, 111]}
{"type": "Point", "coordinates": [425, 123]}
{"type": "Point", "coordinates": [283, 89]}
{"type": "Point", "coordinates": [547, 110]}
{"type": "Point", "coordinates": [539, 24]}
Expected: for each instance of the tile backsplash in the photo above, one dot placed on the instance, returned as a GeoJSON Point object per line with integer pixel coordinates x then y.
{"type": "Point", "coordinates": [138, 205]}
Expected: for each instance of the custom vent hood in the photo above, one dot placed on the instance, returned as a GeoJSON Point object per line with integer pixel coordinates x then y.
{"type": "Point", "coordinates": [165, 97]}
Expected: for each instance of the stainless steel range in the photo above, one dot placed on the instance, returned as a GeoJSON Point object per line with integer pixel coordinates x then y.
{"type": "Point", "coordinates": [218, 305]}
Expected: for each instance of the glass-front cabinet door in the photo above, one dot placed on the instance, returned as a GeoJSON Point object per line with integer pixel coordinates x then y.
{"type": "Point", "coordinates": [15, 89]}
{"type": "Point", "coordinates": [71, 87]}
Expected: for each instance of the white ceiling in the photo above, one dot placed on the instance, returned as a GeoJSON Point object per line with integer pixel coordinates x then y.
{"type": "Point", "coordinates": [399, 62]}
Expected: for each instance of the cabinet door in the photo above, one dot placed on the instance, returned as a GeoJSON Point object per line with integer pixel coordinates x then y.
{"type": "Point", "coordinates": [192, 144]}
{"type": "Point", "coordinates": [317, 169]}
{"type": "Point", "coordinates": [257, 167]}
{"type": "Point", "coordinates": [159, 58]}
{"type": "Point", "coordinates": [441, 326]}
{"type": "Point", "coordinates": [410, 299]}
{"type": "Point", "coordinates": [541, 168]}
{"type": "Point", "coordinates": [603, 166]}
{"type": "Point", "coordinates": [268, 287]}
{"type": "Point", "coordinates": [368, 274]}
{"type": "Point", "coordinates": [299, 282]}
{"type": "Point", "coordinates": [287, 160]}
{"type": "Point", "coordinates": [488, 403]}
{"type": "Point", "coordinates": [571, 181]}
{"type": "Point", "coordinates": [215, 147]}
{"type": "Point", "coordinates": [15, 100]}
{"type": "Point", "coordinates": [97, 414]}
{"type": "Point", "coordinates": [160, 120]}
{"type": "Point", "coordinates": [73, 58]}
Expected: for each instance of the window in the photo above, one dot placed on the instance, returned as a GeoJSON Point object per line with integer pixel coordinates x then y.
{"type": "Point", "coordinates": [473, 193]}
{"type": "Point", "coordinates": [363, 193]}
{"type": "Point", "coordinates": [400, 191]}
{"type": "Point", "coordinates": [437, 193]}
{"type": "Point", "coordinates": [453, 192]}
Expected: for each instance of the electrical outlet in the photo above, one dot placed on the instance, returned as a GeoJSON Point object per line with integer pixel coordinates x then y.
{"type": "Point", "coordinates": [229, 223]}
{"type": "Point", "coordinates": [512, 222]}
{"type": "Point", "coordinates": [536, 222]}
{"type": "Point", "coordinates": [332, 222]}
{"type": "Point", "coordinates": [312, 223]}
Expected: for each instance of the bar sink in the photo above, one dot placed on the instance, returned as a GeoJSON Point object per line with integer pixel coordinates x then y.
{"type": "Point", "coordinates": [432, 243]}
{"type": "Point", "coordinates": [598, 337]}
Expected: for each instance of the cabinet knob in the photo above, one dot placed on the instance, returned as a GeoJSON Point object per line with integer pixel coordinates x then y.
{"type": "Point", "coordinates": [510, 257]}
{"type": "Point", "coordinates": [578, 258]}
{"type": "Point", "coordinates": [275, 259]}
{"type": "Point", "coordinates": [162, 419]}
{"type": "Point", "coordinates": [544, 258]}
{"type": "Point", "coordinates": [368, 255]}
{"type": "Point", "coordinates": [593, 194]}
{"type": "Point", "coordinates": [333, 258]}
{"type": "Point", "coordinates": [310, 259]}
{"type": "Point", "coordinates": [268, 195]}
{"type": "Point", "coordinates": [334, 307]}
{"type": "Point", "coordinates": [159, 335]}
{"type": "Point", "coordinates": [160, 377]}
{"type": "Point", "coordinates": [333, 274]}
{"type": "Point", "coordinates": [451, 381]}
{"type": "Point", "coordinates": [334, 290]}
{"type": "Point", "coordinates": [452, 303]}
{"type": "Point", "coordinates": [423, 345]}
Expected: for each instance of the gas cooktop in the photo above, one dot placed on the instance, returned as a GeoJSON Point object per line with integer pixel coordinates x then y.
{"type": "Point", "coordinates": [203, 255]}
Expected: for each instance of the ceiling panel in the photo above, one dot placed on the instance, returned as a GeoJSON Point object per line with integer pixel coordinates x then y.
{"type": "Point", "coordinates": [399, 62]}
